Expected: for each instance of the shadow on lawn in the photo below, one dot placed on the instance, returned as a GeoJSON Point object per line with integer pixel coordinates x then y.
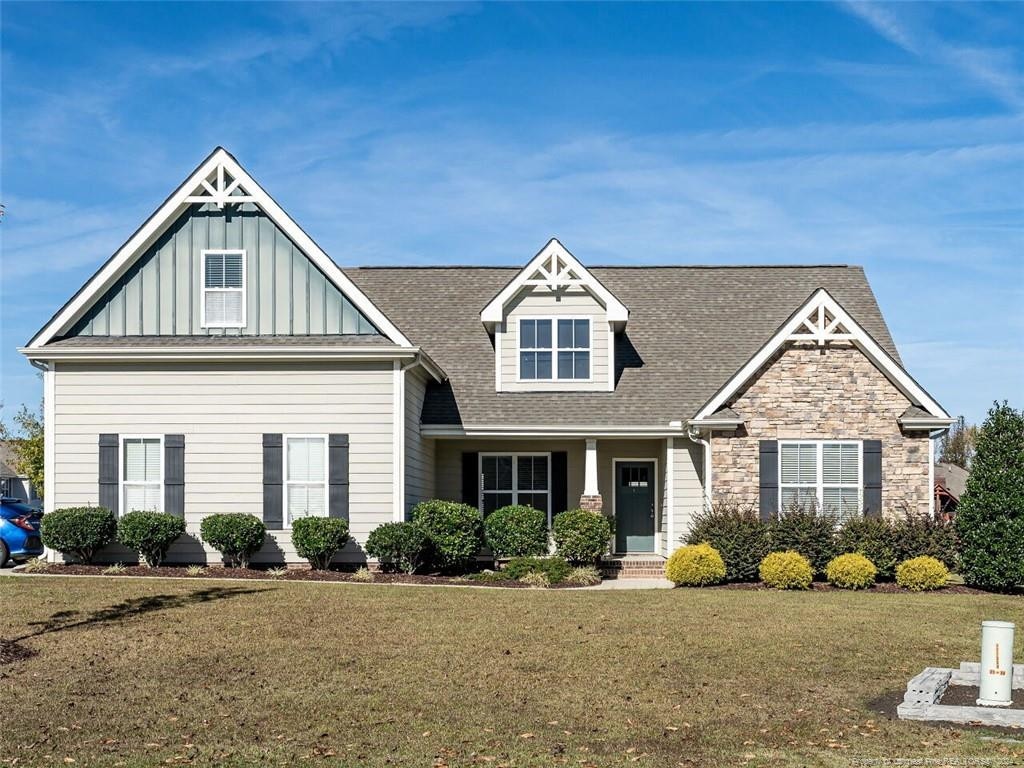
{"type": "Point", "coordinates": [62, 621]}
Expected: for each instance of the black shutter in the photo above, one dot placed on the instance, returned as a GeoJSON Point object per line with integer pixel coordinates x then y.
{"type": "Point", "coordinates": [768, 485]}
{"type": "Point", "coordinates": [559, 482]}
{"type": "Point", "coordinates": [108, 472]}
{"type": "Point", "coordinates": [337, 476]}
{"type": "Point", "coordinates": [471, 479]}
{"type": "Point", "coordinates": [273, 489]}
{"type": "Point", "coordinates": [872, 462]}
{"type": "Point", "coordinates": [174, 474]}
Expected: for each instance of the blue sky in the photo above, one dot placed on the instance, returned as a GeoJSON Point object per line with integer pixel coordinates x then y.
{"type": "Point", "coordinates": [890, 136]}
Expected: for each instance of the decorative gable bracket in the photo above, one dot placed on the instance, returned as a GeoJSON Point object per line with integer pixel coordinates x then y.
{"type": "Point", "coordinates": [556, 270]}
{"type": "Point", "coordinates": [220, 188]}
{"type": "Point", "coordinates": [821, 325]}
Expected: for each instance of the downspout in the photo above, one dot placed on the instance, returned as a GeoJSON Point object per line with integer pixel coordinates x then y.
{"type": "Point", "coordinates": [694, 435]}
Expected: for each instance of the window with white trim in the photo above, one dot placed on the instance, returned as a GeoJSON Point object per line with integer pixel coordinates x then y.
{"type": "Point", "coordinates": [516, 478]}
{"type": "Point", "coordinates": [305, 477]}
{"type": "Point", "coordinates": [142, 487]}
{"type": "Point", "coordinates": [563, 355]}
{"type": "Point", "coordinates": [825, 475]}
{"type": "Point", "coordinates": [223, 289]}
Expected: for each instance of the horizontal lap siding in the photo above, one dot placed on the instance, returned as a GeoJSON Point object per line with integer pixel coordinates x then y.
{"type": "Point", "coordinates": [223, 413]}
{"type": "Point", "coordinates": [419, 451]}
{"type": "Point", "coordinates": [688, 488]}
{"type": "Point", "coordinates": [543, 304]}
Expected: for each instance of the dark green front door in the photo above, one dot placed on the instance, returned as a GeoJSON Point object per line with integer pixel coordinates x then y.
{"type": "Point", "coordinates": [634, 506]}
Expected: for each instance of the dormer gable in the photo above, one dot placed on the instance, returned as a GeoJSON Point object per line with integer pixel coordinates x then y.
{"type": "Point", "coordinates": [554, 327]}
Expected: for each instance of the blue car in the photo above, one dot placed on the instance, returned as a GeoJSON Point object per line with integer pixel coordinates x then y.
{"type": "Point", "coordinates": [19, 531]}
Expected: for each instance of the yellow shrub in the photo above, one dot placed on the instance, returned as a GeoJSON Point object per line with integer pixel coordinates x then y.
{"type": "Point", "coordinates": [786, 570]}
{"type": "Point", "coordinates": [921, 573]}
{"type": "Point", "coordinates": [697, 565]}
{"type": "Point", "coordinates": [852, 571]}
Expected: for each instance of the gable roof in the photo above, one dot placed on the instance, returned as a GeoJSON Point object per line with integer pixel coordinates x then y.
{"type": "Point", "coordinates": [690, 329]}
{"type": "Point", "coordinates": [219, 180]}
{"type": "Point", "coordinates": [557, 269]}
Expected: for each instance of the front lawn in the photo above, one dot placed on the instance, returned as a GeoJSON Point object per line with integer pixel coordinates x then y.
{"type": "Point", "coordinates": [139, 672]}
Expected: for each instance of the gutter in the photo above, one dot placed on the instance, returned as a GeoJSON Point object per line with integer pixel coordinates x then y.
{"type": "Point", "coordinates": [927, 423]}
{"type": "Point", "coordinates": [694, 435]}
{"type": "Point", "coordinates": [540, 430]}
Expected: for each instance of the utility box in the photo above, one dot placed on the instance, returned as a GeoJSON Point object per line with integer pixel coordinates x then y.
{"type": "Point", "coordinates": [996, 683]}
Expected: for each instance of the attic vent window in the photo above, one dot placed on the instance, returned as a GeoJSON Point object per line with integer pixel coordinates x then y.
{"type": "Point", "coordinates": [223, 289]}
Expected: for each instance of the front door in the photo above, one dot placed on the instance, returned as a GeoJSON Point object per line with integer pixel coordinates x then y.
{"type": "Point", "coordinates": [634, 506]}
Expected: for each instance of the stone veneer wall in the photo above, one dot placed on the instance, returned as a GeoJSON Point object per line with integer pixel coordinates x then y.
{"type": "Point", "coordinates": [807, 392]}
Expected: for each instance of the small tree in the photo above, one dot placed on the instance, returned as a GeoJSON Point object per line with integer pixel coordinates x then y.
{"type": "Point", "coordinates": [990, 518]}
{"type": "Point", "coordinates": [27, 444]}
{"type": "Point", "coordinates": [958, 444]}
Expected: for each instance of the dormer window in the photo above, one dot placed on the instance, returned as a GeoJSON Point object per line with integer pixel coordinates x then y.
{"type": "Point", "coordinates": [554, 348]}
{"type": "Point", "coordinates": [224, 289]}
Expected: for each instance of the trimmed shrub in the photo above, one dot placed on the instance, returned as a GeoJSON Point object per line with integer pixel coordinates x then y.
{"type": "Point", "coordinates": [873, 537]}
{"type": "Point", "coordinates": [79, 531]}
{"type": "Point", "coordinates": [455, 531]}
{"type": "Point", "coordinates": [236, 536]}
{"type": "Point", "coordinates": [851, 571]}
{"type": "Point", "coordinates": [990, 518]}
{"type": "Point", "coordinates": [581, 536]}
{"type": "Point", "coordinates": [517, 531]}
{"type": "Point", "coordinates": [536, 580]}
{"type": "Point", "coordinates": [921, 534]}
{"type": "Point", "coordinates": [804, 530]}
{"type": "Point", "coordinates": [584, 576]}
{"type": "Point", "coordinates": [695, 565]}
{"type": "Point", "coordinates": [399, 547]}
{"type": "Point", "coordinates": [555, 569]}
{"type": "Point", "coordinates": [738, 534]}
{"type": "Point", "coordinates": [363, 574]}
{"type": "Point", "coordinates": [786, 570]}
{"type": "Point", "coordinates": [150, 534]}
{"type": "Point", "coordinates": [922, 573]}
{"type": "Point", "coordinates": [318, 539]}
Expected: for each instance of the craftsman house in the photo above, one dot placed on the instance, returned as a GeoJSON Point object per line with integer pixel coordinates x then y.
{"type": "Point", "coordinates": [220, 361]}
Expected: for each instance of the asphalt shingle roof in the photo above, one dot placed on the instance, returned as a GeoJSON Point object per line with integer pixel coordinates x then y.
{"type": "Point", "coordinates": [690, 329]}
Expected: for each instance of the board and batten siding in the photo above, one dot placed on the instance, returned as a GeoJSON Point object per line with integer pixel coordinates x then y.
{"type": "Point", "coordinates": [223, 411]}
{"type": "Point", "coordinates": [162, 293]}
{"type": "Point", "coordinates": [419, 450]}
{"type": "Point", "coordinates": [541, 304]}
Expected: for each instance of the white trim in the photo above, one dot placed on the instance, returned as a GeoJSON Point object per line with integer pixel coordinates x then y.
{"type": "Point", "coordinates": [570, 430]}
{"type": "Point", "coordinates": [818, 303]}
{"type": "Point", "coordinates": [398, 463]}
{"type": "Point", "coordinates": [611, 357]}
{"type": "Point", "coordinates": [913, 424]}
{"type": "Point", "coordinates": [243, 290]}
{"type": "Point", "coordinates": [515, 478]}
{"type": "Point", "coordinates": [591, 486]}
{"type": "Point", "coordinates": [49, 433]}
{"type": "Point", "coordinates": [655, 485]}
{"type": "Point", "coordinates": [931, 477]}
{"type": "Point", "coordinates": [722, 423]}
{"type": "Point", "coordinates": [554, 349]}
{"type": "Point", "coordinates": [218, 161]}
{"type": "Point", "coordinates": [499, 331]}
{"type": "Point", "coordinates": [557, 280]}
{"type": "Point", "coordinates": [670, 494]}
{"type": "Point", "coordinates": [819, 480]}
{"type": "Point", "coordinates": [122, 470]}
{"type": "Point", "coordinates": [285, 522]}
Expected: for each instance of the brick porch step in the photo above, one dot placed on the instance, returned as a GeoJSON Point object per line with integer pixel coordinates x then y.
{"type": "Point", "coordinates": [633, 568]}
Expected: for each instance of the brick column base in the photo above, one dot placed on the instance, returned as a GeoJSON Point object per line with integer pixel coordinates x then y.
{"type": "Point", "coordinates": [592, 503]}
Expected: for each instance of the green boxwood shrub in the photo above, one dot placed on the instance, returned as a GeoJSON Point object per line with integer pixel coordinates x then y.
{"type": "Point", "coordinates": [851, 571]}
{"type": "Point", "coordinates": [150, 534]}
{"type": "Point", "coordinates": [804, 530]}
{"type": "Point", "coordinates": [318, 539]}
{"type": "Point", "coordinates": [455, 531]}
{"type": "Point", "coordinates": [79, 531]}
{"type": "Point", "coordinates": [236, 536]}
{"type": "Point", "coordinates": [786, 570]}
{"type": "Point", "coordinates": [401, 547]}
{"type": "Point", "coordinates": [695, 565]}
{"type": "Point", "coordinates": [738, 534]}
{"type": "Point", "coordinates": [517, 531]}
{"type": "Point", "coordinates": [873, 537]}
{"type": "Point", "coordinates": [581, 536]}
{"type": "Point", "coordinates": [556, 569]}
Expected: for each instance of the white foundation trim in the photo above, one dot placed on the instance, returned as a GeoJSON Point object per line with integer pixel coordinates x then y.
{"type": "Point", "coordinates": [670, 495]}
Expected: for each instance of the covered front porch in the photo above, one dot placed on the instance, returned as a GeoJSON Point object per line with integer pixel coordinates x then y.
{"type": "Point", "coordinates": [648, 486]}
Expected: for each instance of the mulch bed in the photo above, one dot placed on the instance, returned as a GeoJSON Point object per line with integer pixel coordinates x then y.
{"type": "Point", "coordinates": [291, 574]}
{"type": "Point", "coordinates": [967, 696]}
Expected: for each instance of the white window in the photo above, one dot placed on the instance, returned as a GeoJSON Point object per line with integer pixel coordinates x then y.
{"type": "Point", "coordinates": [562, 355]}
{"type": "Point", "coordinates": [305, 476]}
{"type": "Point", "coordinates": [821, 474]}
{"type": "Point", "coordinates": [223, 289]}
{"type": "Point", "coordinates": [516, 478]}
{"type": "Point", "coordinates": [142, 473]}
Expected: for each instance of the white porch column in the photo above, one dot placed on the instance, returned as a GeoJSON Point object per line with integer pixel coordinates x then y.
{"type": "Point", "coordinates": [591, 499]}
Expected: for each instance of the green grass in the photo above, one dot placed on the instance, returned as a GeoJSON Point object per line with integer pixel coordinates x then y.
{"type": "Point", "coordinates": [139, 672]}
